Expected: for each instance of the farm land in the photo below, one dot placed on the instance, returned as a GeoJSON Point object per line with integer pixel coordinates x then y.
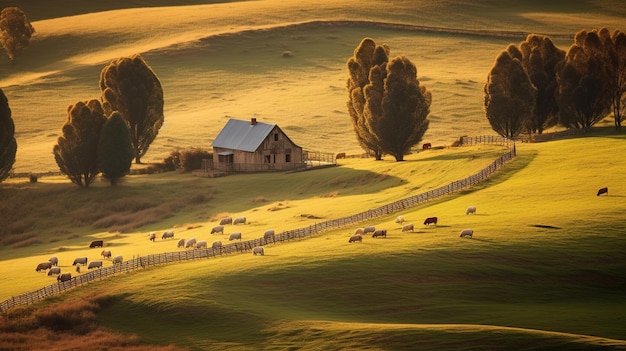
{"type": "Point", "coordinates": [544, 270]}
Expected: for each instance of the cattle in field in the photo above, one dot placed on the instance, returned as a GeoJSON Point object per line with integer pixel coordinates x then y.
{"type": "Point", "coordinates": [356, 238]}
{"type": "Point", "coordinates": [603, 191]}
{"type": "Point", "coordinates": [369, 229]}
{"type": "Point", "coordinates": [218, 229]}
{"type": "Point", "coordinates": [106, 253]}
{"type": "Point", "coordinates": [201, 244]}
{"type": "Point", "coordinates": [407, 228]}
{"type": "Point", "coordinates": [54, 270]}
{"type": "Point", "coordinates": [358, 231]}
{"type": "Point", "coordinates": [258, 250]}
{"type": "Point", "coordinates": [269, 235]}
{"type": "Point", "coordinates": [240, 220]}
{"type": "Point", "coordinates": [152, 236]}
{"type": "Point", "coordinates": [226, 220]}
{"type": "Point", "coordinates": [117, 260]}
{"type": "Point", "coordinates": [470, 210]}
{"type": "Point", "coordinates": [235, 236]}
{"type": "Point", "coordinates": [64, 277]}
{"type": "Point", "coordinates": [169, 234]}
{"type": "Point", "coordinates": [43, 266]}
{"type": "Point", "coordinates": [466, 233]}
{"type": "Point", "coordinates": [380, 232]}
{"type": "Point", "coordinates": [54, 260]}
{"type": "Point", "coordinates": [399, 219]}
{"type": "Point", "coordinates": [426, 146]}
{"type": "Point", "coordinates": [190, 243]}
{"type": "Point", "coordinates": [96, 243]}
{"type": "Point", "coordinates": [181, 243]}
{"type": "Point", "coordinates": [80, 260]}
{"type": "Point", "coordinates": [430, 220]}
{"type": "Point", "coordinates": [340, 155]}
{"type": "Point", "coordinates": [94, 264]}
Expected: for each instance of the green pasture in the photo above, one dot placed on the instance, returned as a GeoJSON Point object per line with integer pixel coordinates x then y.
{"type": "Point", "coordinates": [544, 270]}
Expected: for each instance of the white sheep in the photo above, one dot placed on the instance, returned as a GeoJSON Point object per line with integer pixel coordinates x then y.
{"type": "Point", "coordinates": [408, 228]}
{"type": "Point", "coordinates": [54, 260]}
{"type": "Point", "coordinates": [258, 250]}
{"type": "Point", "coordinates": [235, 236]}
{"type": "Point", "coordinates": [201, 244]}
{"type": "Point", "coordinates": [216, 245]}
{"type": "Point", "coordinates": [169, 234]}
{"type": "Point", "coordinates": [467, 232]}
{"type": "Point", "coordinates": [218, 229]}
{"type": "Point", "coordinates": [470, 210]}
{"type": "Point", "coordinates": [190, 243]}
{"type": "Point", "coordinates": [240, 220]}
{"type": "Point", "coordinates": [400, 220]}
{"type": "Point", "coordinates": [181, 243]}
{"type": "Point", "coordinates": [94, 264]}
{"type": "Point", "coordinates": [355, 238]}
{"type": "Point", "coordinates": [117, 260]}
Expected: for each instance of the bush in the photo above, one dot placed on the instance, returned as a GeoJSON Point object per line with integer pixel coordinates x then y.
{"type": "Point", "coordinates": [191, 159]}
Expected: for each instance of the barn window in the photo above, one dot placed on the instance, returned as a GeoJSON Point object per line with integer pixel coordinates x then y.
{"type": "Point", "coordinates": [275, 136]}
{"type": "Point", "coordinates": [268, 158]}
{"type": "Point", "coordinates": [287, 157]}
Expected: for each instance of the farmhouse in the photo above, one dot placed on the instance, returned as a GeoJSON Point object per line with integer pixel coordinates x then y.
{"type": "Point", "coordinates": [251, 146]}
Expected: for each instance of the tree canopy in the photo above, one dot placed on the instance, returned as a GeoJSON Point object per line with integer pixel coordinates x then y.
{"type": "Point", "coordinates": [76, 151]}
{"type": "Point", "coordinates": [509, 96]}
{"type": "Point", "coordinates": [115, 150]}
{"type": "Point", "coordinates": [15, 30]}
{"type": "Point", "coordinates": [8, 144]}
{"type": "Point", "coordinates": [129, 86]}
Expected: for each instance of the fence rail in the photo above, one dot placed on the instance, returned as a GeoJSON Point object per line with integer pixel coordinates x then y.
{"type": "Point", "coordinates": [247, 246]}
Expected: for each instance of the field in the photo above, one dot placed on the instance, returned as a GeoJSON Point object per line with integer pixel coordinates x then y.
{"type": "Point", "coordinates": [545, 270]}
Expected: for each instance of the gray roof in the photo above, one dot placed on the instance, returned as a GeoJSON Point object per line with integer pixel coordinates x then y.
{"type": "Point", "coordinates": [242, 135]}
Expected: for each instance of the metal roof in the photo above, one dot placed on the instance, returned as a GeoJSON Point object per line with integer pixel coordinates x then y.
{"type": "Point", "coordinates": [242, 135]}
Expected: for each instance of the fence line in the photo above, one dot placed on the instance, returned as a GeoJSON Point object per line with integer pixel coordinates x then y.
{"type": "Point", "coordinates": [247, 246]}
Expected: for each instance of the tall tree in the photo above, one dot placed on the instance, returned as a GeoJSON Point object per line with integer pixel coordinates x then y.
{"type": "Point", "coordinates": [115, 150]}
{"type": "Point", "coordinates": [540, 58]}
{"type": "Point", "coordinates": [76, 151]}
{"type": "Point", "coordinates": [8, 145]}
{"type": "Point", "coordinates": [616, 47]}
{"type": "Point", "coordinates": [509, 95]}
{"type": "Point", "coordinates": [16, 31]}
{"type": "Point", "coordinates": [130, 87]}
{"type": "Point", "coordinates": [367, 56]}
{"type": "Point", "coordinates": [397, 107]}
{"type": "Point", "coordinates": [585, 82]}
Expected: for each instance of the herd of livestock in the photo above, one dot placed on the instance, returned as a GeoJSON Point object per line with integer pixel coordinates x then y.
{"type": "Point", "coordinates": [52, 265]}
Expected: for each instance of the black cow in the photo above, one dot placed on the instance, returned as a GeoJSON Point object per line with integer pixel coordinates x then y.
{"type": "Point", "coordinates": [430, 220]}
{"type": "Point", "coordinates": [96, 243]}
{"type": "Point", "coordinates": [603, 191]}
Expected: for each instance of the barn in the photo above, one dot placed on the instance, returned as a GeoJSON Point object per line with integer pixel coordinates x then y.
{"type": "Point", "coordinates": [252, 146]}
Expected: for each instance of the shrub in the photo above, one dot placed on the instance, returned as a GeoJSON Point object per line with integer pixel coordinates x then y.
{"type": "Point", "coordinates": [191, 159]}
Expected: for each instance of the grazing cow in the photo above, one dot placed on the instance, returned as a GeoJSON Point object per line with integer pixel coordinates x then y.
{"type": "Point", "coordinates": [80, 260]}
{"type": "Point", "coordinates": [96, 243]}
{"type": "Point", "coordinates": [64, 277]}
{"type": "Point", "coordinates": [190, 243]}
{"type": "Point", "coordinates": [407, 228]}
{"type": "Point", "coordinates": [168, 235]}
{"type": "Point", "coordinates": [181, 243]}
{"type": "Point", "coordinates": [226, 220]}
{"type": "Point", "coordinates": [54, 270]}
{"type": "Point", "coordinates": [117, 260]}
{"type": "Point", "coordinates": [426, 146]}
{"type": "Point", "coordinates": [235, 236]}
{"type": "Point", "coordinates": [202, 244]}
{"type": "Point", "coordinates": [340, 155]}
{"type": "Point", "coordinates": [258, 250]}
{"type": "Point", "coordinates": [152, 236]}
{"type": "Point", "coordinates": [94, 264]}
{"type": "Point", "coordinates": [603, 191]}
{"type": "Point", "coordinates": [470, 210]}
{"type": "Point", "coordinates": [358, 231]}
{"type": "Point", "coordinates": [430, 220]}
{"type": "Point", "coordinates": [218, 229]}
{"type": "Point", "coordinates": [216, 245]}
{"type": "Point", "coordinates": [54, 260]}
{"type": "Point", "coordinates": [269, 234]}
{"type": "Point", "coordinates": [43, 266]}
{"type": "Point", "coordinates": [466, 232]}
{"type": "Point", "coordinates": [355, 238]}
{"type": "Point", "coordinates": [240, 220]}
{"type": "Point", "coordinates": [400, 220]}
{"type": "Point", "coordinates": [106, 253]}
{"type": "Point", "coordinates": [369, 229]}
{"type": "Point", "coordinates": [380, 232]}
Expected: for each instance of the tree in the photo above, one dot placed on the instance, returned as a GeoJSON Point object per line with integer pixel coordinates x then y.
{"type": "Point", "coordinates": [509, 96]}
{"type": "Point", "coordinates": [397, 107]}
{"type": "Point", "coordinates": [585, 82]}
{"type": "Point", "coordinates": [115, 150]}
{"type": "Point", "coordinates": [8, 145]}
{"type": "Point", "coordinates": [16, 31]}
{"type": "Point", "coordinates": [76, 151]}
{"type": "Point", "coordinates": [616, 46]}
{"type": "Point", "coordinates": [367, 56]}
{"type": "Point", "coordinates": [130, 87]}
{"type": "Point", "coordinates": [540, 58]}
